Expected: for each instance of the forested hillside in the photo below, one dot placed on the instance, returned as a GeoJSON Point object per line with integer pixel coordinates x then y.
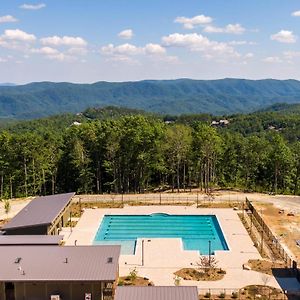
{"type": "Point", "coordinates": [183, 96]}
{"type": "Point", "coordinates": [120, 150]}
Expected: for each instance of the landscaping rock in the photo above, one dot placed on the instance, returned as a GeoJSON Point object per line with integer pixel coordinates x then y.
{"type": "Point", "coordinates": [246, 267]}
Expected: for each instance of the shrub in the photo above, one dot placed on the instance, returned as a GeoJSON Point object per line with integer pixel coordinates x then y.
{"type": "Point", "coordinates": [177, 280]}
{"type": "Point", "coordinates": [207, 295]}
{"type": "Point", "coordinates": [133, 274]}
{"type": "Point", "coordinates": [121, 282]}
{"type": "Point", "coordinates": [222, 295]}
{"type": "Point", "coordinates": [234, 295]}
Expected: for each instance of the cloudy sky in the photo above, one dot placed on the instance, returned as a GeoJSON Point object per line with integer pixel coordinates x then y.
{"type": "Point", "coordinates": [122, 40]}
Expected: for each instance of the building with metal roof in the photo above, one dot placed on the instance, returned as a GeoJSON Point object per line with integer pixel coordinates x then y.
{"type": "Point", "coordinates": [43, 215]}
{"type": "Point", "coordinates": [156, 293]}
{"type": "Point", "coordinates": [30, 240]}
{"type": "Point", "coordinates": [71, 272]}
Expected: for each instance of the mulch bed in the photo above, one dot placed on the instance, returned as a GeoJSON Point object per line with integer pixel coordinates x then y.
{"type": "Point", "coordinates": [138, 281]}
{"type": "Point", "coordinates": [199, 275]}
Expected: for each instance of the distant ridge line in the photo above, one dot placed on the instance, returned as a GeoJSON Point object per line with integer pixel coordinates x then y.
{"type": "Point", "coordinates": [178, 96]}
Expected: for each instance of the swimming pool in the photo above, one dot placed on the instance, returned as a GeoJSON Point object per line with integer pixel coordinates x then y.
{"type": "Point", "coordinates": [195, 231]}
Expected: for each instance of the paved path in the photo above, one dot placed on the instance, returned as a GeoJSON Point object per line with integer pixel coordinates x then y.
{"type": "Point", "coordinates": [162, 257]}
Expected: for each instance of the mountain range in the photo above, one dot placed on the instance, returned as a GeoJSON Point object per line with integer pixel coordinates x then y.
{"type": "Point", "coordinates": [181, 96]}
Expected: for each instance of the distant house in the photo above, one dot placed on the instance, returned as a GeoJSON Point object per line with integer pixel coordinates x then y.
{"type": "Point", "coordinates": [224, 122]}
{"type": "Point", "coordinates": [67, 272]}
{"type": "Point", "coordinates": [215, 123]}
{"type": "Point", "coordinates": [169, 122]}
{"type": "Point", "coordinates": [220, 123]}
{"type": "Point", "coordinates": [76, 123]}
{"type": "Point", "coordinates": [156, 293]}
{"type": "Point", "coordinates": [42, 216]}
{"type": "Point", "coordinates": [271, 127]}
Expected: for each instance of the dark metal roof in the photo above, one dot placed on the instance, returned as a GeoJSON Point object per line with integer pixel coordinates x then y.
{"type": "Point", "coordinates": [23, 240]}
{"type": "Point", "coordinates": [156, 293]}
{"type": "Point", "coordinates": [40, 211]}
{"type": "Point", "coordinates": [61, 263]}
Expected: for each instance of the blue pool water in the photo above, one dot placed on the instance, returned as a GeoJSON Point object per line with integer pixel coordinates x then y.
{"type": "Point", "coordinates": [195, 231]}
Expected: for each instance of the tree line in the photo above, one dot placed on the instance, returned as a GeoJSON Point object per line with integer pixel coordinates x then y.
{"type": "Point", "coordinates": [139, 153]}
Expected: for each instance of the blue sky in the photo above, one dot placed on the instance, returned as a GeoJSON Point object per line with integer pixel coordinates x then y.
{"type": "Point", "coordinates": [122, 40]}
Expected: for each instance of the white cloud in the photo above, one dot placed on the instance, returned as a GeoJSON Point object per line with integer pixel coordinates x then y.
{"type": "Point", "coordinates": [33, 6]}
{"type": "Point", "coordinates": [124, 49]}
{"type": "Point", "coordinates": [8, 19]}
{"type": "Point", "coordinates": [272, 59]}
{"type": "Point", "coordinates": [154, 49]}
{"type": "Point", "coordinates": [190, 23]}
{"type": "Point", "coordinates": [126, 34]}
{"type": "Point", "coordinates": [238, 43]}
{"type": "Point", "coordinates": [230, 29]}
{"type": "Point", "coordinates": [3, 60]}
{"type": "Point", "coordinates": [129, 49]}
{"type": "Point", "coordinates": [198, 42]}
{"type": "Point", "coordinates": [61, 57]}
{"type": "Point", "coordinates": [249, 55]}
{"type": "Point", "coordinates": [54, 54]}
{"type": "Point", "coordinates": [77, 51]}
{"type": "Point", "coordinates": [296, 13]}
{"type": "Point", "coordinates": [291, 54]}
{"type": "Point", "coordinates": [18, 35]}
{"type": "Point", "coordinates": [128, 53]}
{"type": "Point", "coordinates": [284, 36]}
{"type": "Point", "coordinates": [171, 59]}
{"type": "Point", "coordinates": [64, 41]}
{"type": "Point", "coordinates": [45, 51]}
{"type": "Point", "coordinates": [241, 43]}
{"type": "Point", "coordinates": [16, 39]}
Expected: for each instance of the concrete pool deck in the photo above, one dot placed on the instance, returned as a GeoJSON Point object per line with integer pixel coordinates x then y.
{"type": "Point", "coordinates": [162, 257]}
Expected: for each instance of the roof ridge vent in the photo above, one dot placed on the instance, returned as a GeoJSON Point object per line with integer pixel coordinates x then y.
{"type": "Point", "coordinates": [66, 260]}
{"type": "Point", "coordinates": [17, 260]}
{"type": "Point", "coordinates": [109, 260]}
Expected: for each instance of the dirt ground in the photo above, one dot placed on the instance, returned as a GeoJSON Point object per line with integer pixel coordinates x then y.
{"type": "Point", "coordinates": [285, 224]}
{"type": "Point", "coordinates": [266, 267]}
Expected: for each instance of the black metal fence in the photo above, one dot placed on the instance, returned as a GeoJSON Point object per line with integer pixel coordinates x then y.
{"type": "Point", "coordinates": [248, 293]}
{"type": "Point", "coordinates": [270, 237]}
{"type": "Point", "coordinates": [276, 245]}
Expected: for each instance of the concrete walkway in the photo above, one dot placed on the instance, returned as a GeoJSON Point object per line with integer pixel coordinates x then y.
{"type": "Point", "coordinates": [162, 257]}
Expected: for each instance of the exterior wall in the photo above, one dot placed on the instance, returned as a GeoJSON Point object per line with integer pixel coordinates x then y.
{"type": "Point", "coordinates": [2, 291]}
{"type": "Point", "coordinates": [53, 229]}
{"type": "Point", "coordinates": [34, 230]}
{"type": "Point", "coordinates": [60, 222]}
{"type": "Point", "coordinates": [43, 291]}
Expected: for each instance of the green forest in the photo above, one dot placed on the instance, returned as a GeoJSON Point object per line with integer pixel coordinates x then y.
{"type": "Point", "coordinates": [117, 150]}
{"type": "Point", "coordinates": [224, 96]}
